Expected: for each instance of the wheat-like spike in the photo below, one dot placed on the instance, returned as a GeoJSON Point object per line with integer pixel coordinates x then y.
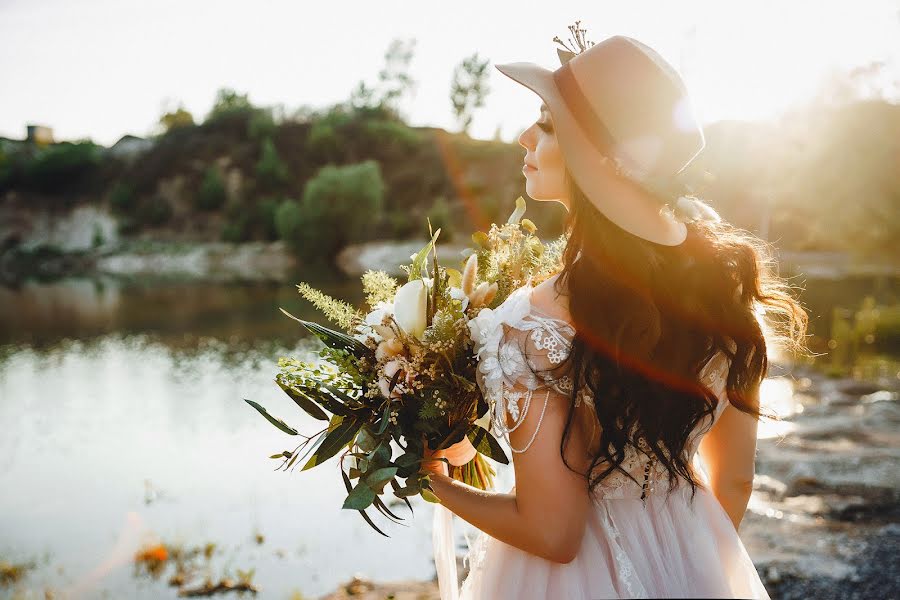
{"type": "Point", "coordinates": [470, 272]}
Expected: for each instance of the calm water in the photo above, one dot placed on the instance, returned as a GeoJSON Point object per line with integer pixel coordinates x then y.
{"type": "Point", "coordinates": [124, 425]}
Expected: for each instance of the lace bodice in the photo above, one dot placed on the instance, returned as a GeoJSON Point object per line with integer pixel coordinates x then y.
{"type": "Point", "coordinates": [517, 337]}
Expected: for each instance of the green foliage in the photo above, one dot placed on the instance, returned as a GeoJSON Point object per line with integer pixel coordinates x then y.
{"type": "Point", "coordinates": [228, 103]}
{"type": "Point", "coordinates": [289, 221]}
{"type": "Point", "coordinates": [97, 238]}
{"type": "Point", "coordinates": [237, 230]}
{"type": "Point", "coordinates": [325, 139]}
{"type": "Point", "coordinates": [153, 211]}
{"type": "Point", "coordinates": [56, 167]}
{"type": "Point", "coordinates": [468, 89]}
{"type": "Point", "coordinates": [211, 194]}
{"type": "Point", "coordinates": [391, 133]}
{"type": "Point", "coordinates": [122, 198]}
{"type": "Point", "coordinates": [271, 171]}
{"type": "Point", "coordinates": [266, 216]}
{"type": "Point", "coordinates": [261, 124]}
{"type": "Point", "coordinates": [338, 207]}
{"type": "Point", "coordinates": [175, 119]}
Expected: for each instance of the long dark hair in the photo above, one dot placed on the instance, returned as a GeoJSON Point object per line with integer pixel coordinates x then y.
{"type": "Point", "coordinates": [649, 317]}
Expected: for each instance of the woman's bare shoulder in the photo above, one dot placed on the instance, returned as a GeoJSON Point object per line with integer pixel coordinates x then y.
{"type": "Point", "coordinates": [547, 301]}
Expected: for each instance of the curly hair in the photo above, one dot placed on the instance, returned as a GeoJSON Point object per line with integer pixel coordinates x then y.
{"type": "Point", "coordinates": [649, 317]}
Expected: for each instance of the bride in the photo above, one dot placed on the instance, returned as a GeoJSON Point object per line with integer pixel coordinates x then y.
{"type": "Point", "coordinates": [627, 384]}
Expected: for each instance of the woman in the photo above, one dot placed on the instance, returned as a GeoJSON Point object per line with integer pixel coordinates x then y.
{"type": "Point", "coordinates": [643, 357]}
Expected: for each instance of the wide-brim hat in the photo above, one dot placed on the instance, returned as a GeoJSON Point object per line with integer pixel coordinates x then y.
{"type": "Point", "coordinates": [619, 104]}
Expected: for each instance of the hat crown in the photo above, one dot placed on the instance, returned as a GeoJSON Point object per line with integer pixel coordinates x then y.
{"type": "Point", "coordinates": [642, 101]}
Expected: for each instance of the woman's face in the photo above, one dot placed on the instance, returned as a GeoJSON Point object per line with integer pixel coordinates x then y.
{"type": "Point", "coordinates": [544, 165]}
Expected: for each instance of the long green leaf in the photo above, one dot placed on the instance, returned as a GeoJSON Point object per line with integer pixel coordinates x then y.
{"type": "Point", "coordinates": [415, 270]}
{"type": "Point", "coordinates": [332, 338]}
{"type": "Point", "coordinates": [360, 497]}
{"type": "Point", "coordinates": [362, 512]}
{"type": "Point", "coordinates": [336, 439]}
{"type": "Point", "coordinates": [487, 444]}
{"type": "Point", "coordinates": [303, 401]}
{"type": "Point", "coordinates": [273, 420]}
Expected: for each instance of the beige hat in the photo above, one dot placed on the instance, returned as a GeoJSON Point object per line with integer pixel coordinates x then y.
{"type": "Point", "coordinates": [620, 100]}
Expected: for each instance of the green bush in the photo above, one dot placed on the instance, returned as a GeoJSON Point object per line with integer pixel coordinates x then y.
{"type": "Point", "coordinates": [391, 133]}
{"type": "Point", "coordinates": [97, 238]}
{"type": "Point", "coordinates": [261, 124]}
{"type": "Point", "coordinates": [289, 221]}
{"type": "Point", "coordinates": [266, 216]}
{"type": "Point", "coordinates": [211, 194]}
{"type": "Point", "coordinates": [327, 135]}
{"type": "Point", "coordinates": [271, 171]}
{"type": "Point", "coordinates": [340, 204]}
{"type": "Point", "coordinates": [57, 167]}
{"type": "Point", "coordinates": [154, 211]}
{"type": "Point", "coordinates": [121, 198]}
{"type": "Point", "coordinates": [238, 230]}
{"type": "Point", "coordinates": [229, 103]}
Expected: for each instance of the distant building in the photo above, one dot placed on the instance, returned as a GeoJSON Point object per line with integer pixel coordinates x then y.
{"type": "Point", "coordinates": [39, 134]}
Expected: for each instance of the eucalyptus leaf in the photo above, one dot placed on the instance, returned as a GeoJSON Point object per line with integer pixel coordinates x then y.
{"type": "Point", "coordinates": [360, 497]}
{"type": "Point", "coordinates": [303, 401]}
{"type": "Point", "coordinates": [335, 440]}
{"type": "Point", "coordinates": [377, 478]}
{"type": "Point", "coordinates": [365, 440]}
{"type": "Point", "coordinates": [273, 420]}
{"type": "Point", "coordinates": [362, 512]}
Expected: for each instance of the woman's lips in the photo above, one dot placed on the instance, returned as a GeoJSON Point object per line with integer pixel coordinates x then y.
{"type": "Point", "coordinates": [528, 168]}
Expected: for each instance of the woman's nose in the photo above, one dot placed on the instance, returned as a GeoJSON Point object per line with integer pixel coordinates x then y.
{"type": "Point", "coordinates": [526, 139]}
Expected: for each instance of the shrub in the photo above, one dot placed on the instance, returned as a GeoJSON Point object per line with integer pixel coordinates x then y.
{"type": "Point", "coordinates": [289, 221]}
{"type": "Point", "coordinates": [391, 133]}
{"type": "Point", "coordinates": [121, 198]}
{"type": "Point", "coordinates": [266, 216]}
{"type": "Point", "coordinates": [155, 210]}
{"type": "Point", "coordinates": [228, 103]}
{"type": "Point", "coordinates": [211, 194]}
{"type": "Point", "coordinates": [271, 170]}
{"type": "Point", "coordinates": [261, 124]}
{"type": "Point", "coordinates": [58, 166]}
{"type": "Point", "coordinates": [340, 205]}
{"type": "Point", "coordinates": [238, 230]}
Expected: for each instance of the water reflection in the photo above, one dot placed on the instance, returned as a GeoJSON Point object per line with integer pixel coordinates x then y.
{"type": "Point", "coordinates": [94, 426]}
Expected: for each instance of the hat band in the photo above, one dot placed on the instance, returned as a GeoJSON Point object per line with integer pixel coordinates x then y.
{"type": "Point", "coordinates": [585, 116]}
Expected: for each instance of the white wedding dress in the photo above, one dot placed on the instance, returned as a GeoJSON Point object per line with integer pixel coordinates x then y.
{"type": "Point", "coordinates": [656, 547]}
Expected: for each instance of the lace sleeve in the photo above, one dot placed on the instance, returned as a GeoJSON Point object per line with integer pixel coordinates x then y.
{"type": "Point", "coordinates": [531, 355]}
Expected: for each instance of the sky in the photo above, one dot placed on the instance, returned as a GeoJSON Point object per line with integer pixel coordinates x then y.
{"type": "Point", "coordinates": [101, 69]}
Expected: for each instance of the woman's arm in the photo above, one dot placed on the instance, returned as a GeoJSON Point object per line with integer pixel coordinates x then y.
{"type": "Point", "coordinates": [728, 451]}
{"type": "Point", "coordinates": [547, 513]}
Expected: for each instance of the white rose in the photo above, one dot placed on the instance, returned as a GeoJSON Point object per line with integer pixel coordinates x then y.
{"type": "Point", "coordinates": [409, 307]}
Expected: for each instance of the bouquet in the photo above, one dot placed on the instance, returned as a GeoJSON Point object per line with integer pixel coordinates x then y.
{"type": "Point", "coordinates": [405, 371]}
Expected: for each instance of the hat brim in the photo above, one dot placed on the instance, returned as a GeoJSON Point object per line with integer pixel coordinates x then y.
{"type": "Point", "coordinates": [642, 217]}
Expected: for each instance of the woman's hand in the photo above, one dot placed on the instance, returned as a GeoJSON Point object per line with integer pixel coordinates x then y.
{"type": "Point", "coordinates": [430, 464]}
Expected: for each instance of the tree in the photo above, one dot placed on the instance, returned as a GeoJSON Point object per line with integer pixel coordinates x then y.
{"type": "Point", "coordinates": [180, 117]}
{"type": "Point", "coordinates": [228, 102]}
{"type": "Point", "coordinates": [468, 89]}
